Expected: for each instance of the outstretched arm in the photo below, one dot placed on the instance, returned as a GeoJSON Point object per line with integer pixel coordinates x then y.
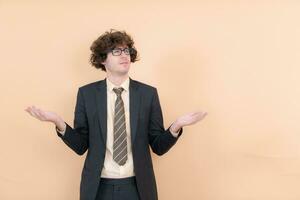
{"type": "Point", "coordinates": [162, 140]}
{"type": "Point", "coordinates": [76, 138]}
{"type": "Point", "coordinates": [47, 116]}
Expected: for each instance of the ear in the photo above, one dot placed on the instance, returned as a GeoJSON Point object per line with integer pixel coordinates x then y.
{"type": "Point", "coordinates": [103, 57]}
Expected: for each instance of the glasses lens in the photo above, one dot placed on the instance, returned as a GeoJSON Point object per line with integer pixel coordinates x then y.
{"type": "Point", "coordinates": [127, 51]}
{"type": "Point", "coordinates": [116, 52]}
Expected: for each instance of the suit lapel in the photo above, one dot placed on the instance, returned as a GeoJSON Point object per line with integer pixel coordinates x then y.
{"type": "Point", "coordinates": [134, 106]}
{"type": "Point", "coordinates": [101, 106]}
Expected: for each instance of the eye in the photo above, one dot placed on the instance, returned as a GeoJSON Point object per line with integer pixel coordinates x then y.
{"type": "Point", "coordinates": [117, 50]}
{"type": "Point", "coordinates": [126, 50]}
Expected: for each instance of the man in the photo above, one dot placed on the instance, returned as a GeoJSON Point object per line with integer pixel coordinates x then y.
{"type": "Point", "coordinates": [116, 119]}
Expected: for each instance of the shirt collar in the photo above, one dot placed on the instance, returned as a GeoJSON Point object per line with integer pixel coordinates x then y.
{"type": "Point", "coordinates": [111, 86]}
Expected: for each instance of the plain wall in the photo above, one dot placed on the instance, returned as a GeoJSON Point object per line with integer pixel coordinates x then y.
{"type": "Point", "coordinates": [237, 60]}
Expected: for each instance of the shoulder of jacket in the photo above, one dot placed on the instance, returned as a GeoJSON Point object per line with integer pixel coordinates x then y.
{"type": "Point", "coordinates": [144, 85]}
{"type": "Point", "coordinates": [90, 86]}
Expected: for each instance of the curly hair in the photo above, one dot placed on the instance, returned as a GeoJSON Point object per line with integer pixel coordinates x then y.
{"type": "Point", "coordinates": [108, 41]}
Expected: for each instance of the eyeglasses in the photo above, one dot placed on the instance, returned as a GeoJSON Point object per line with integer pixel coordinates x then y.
{"type": "Point", "coordinates": [118, 51]}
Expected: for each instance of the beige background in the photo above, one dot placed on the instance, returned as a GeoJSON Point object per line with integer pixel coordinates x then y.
{"type": "Point", "coordinates": [237, 60]}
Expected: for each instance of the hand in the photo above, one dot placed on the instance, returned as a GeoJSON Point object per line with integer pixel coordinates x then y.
{"type": "Point", "coordinates": [46, 116]}
{"type": "Point", "coordinates": [188, 119]}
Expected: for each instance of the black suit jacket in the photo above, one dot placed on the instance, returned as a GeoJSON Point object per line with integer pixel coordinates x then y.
{"type": "Point", "coordinates": [90, 133]}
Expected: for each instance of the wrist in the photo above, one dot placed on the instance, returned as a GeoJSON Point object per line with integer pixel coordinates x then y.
{"type": "Point", "coordinates": [175, 127]}
{"type": "Point", "coordinates": [60, 124]}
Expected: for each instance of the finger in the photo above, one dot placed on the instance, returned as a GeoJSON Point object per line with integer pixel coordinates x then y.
{"type": "Point", "coordinates": [42, 114]}
{"type": "Point", "coordinates": [202, 113]}
{"type": "Point", "coordinates": [202, 116]}
{"type": "Point", "coordinates": [199, 117]}
{"type": "Point", "coordinates": [192, 114]}
{"type": "Point", "coordinates": [31, 108]}
{"type": "Point", "coordinates": [27, 109]}
{"type": "Point", "coordinates": [38, 113]}
{"type": "Point", "coordinates": [32, 113]}
{"type": "Point", "coordinates": [35, 109]}
{"type": "Point", "coordinates": [198, 113]}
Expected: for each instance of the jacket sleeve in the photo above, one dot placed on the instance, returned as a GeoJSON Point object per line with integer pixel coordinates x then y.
{"type": "Point", "coordinates": [77, 138]}
{"type": "Point", "coordinates": [160, 140]}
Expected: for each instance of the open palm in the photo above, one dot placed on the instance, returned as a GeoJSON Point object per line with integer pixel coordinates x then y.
{"type": "Point", "coordinates": [191, 118]}
{"type": "Point", "coordinates": [41, 114]}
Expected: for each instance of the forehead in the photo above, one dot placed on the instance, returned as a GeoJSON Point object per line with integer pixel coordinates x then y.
{"type": "Point", "coordinates": [121, 46]}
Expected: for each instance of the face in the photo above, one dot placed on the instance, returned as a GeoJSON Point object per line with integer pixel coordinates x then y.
{"type": "Point", "coordinates": [117, 64]}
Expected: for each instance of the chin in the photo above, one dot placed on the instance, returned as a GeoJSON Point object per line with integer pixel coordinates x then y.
{"type": "Point", "coordinates": [123, 72]}
{"type": "Point", "coordinates": [125, 69]}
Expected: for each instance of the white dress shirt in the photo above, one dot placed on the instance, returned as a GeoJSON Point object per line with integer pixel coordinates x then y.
{"type": "Point", "coordinates": [111, 169]}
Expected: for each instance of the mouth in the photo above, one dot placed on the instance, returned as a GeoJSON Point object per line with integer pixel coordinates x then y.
{"type": "Point", "coordinates": [125, 62]}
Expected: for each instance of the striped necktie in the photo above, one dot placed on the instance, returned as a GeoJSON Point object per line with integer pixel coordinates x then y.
{"type": "Point", "coordinates": [120, 136]}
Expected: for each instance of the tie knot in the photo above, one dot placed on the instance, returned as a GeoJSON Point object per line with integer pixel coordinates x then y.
{"type": "Point", "coordinates": [118, 91]}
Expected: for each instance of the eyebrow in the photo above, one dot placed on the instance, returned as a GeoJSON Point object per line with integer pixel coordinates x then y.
{"type": "Point", "coordinates": [123, 46]}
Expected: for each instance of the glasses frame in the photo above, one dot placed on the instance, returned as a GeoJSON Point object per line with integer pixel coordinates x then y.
{"type": "Point", "coordinates": [130, 50]}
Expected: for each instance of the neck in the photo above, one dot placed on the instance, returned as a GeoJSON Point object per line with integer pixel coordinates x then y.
{"type": "Point", "coordinates": [117, 80]}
